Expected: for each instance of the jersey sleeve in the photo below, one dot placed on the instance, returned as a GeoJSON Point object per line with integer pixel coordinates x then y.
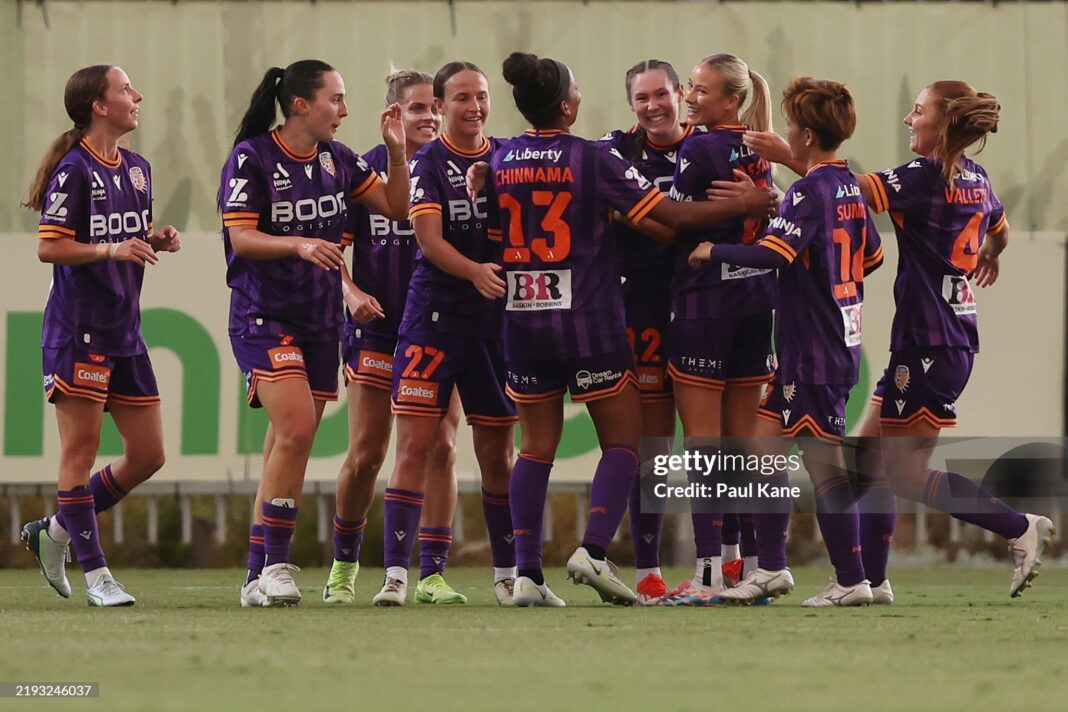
{"type": "Point", "coordinates": [873, 245]}
{"type": "Point", "coordinates": [243, 191]}
{"type": "Point", "coordinates": [799, 221]}
{"type": "Point", "coordinates": [66, 203]}
{"type": "Point", "coordinates": [363, 178]}
{"type": "Point", "coordinates": [903, 189]}
{"type": "Point", "coordinates": [998, 221]}
{"type": "Point", "coordinates": [426, 193]}
{"type": "Point", "coordinates": [624, 187]}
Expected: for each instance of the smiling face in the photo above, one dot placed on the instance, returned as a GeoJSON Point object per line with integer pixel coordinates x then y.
{"type": "Point", "coordinates": [466, 105]}
{"type": "Point", "coordinates": [323, 114]}
{"type": "Point", "coordinates": [654, 101]}
{"type": "Point", "coordinates": [706, 100]}
{"type": "Point", "coordinates": [925, 123]}
{"type": "Point", "coordinates": [419, 113]}
{"type": "Point", "coordinates": [118, 107]}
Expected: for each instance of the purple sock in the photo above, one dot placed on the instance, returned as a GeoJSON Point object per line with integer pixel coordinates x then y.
{"type": "Point", "coordinates": [348, 535]}
{"type": "Point", "coordinates": [878, 516]}
{"type": "Point", "coordinates": [527, 490]}
{"type": "Point", "coordinates": [399, 519]}
{"type": "Point", "coordinates": [771, 528]}
{"type": "Point", "coordinates": [498, 513]}
{"type": "Point", "coordinates": [256, 554]}
{"type": "Point", "coordinates": [836, 512]}
{"type": "Point", "coordinates": [645, 528]}
{"type": "Point", "coordinates": [732, 528]}
{"type": "Point", "coordinates": [279, 523]}
{"type": "Point", "coordinates": [951, 493]}
{"type": "Point", "coordinates": [612, 483]}
{"type": "Point", "coordinates": [747, 532]}
{"type": "Point", "coordinates": [707, 526]}
{"type": "Point", "coordinates": [106, 493]}
{"type": "Point", "coordinates": [77, 509]}
{"type": "Point", "coordinates": [434, 545]}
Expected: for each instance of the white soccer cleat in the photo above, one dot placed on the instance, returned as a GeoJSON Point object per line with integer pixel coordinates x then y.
{"type": "Point", "coordinates": [760, 584]}
{"type": "Point", "coordinates": [843, 596]}
{"type": "Point", "coordinates": [505, 592]}
{"type": "Point", "coordinates": [52, 557]}
{"type": "Point", "coordinates": [107, 592]}
{"type": "Point", "coordinates": [1025, 550]}
{"type": "Point", "coordinates": [251, 596]}
{"type": "Point", "coordinates": [601, 576]}
{"type": "Point", "coordinates": [277, 585]}
{"type": "Point", "coordinates": [882, 595]}
{"type": "Point", "coordinates": [530, 595]}
{"type": "Point", "coordinates": [394, 593]}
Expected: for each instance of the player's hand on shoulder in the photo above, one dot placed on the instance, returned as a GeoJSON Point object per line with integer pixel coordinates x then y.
{"type": "Point", "coordinates": [768, 145]}
{"type": "Point", "coordinates": [322, 253]}
{"type": "Point", "coordinates": [486, 280]}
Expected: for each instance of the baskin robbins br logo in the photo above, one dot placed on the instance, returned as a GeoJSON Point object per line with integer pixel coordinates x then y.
{"type": "Point", "coordinates": [327, 162]}
{"type": "Point", "coordinates": [137, 178]}
{"type": "Point", "coordinates": [540, 290]}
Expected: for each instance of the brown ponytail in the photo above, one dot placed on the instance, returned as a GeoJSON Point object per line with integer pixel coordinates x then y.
{"type": "Point", "coordinates": [84, 87]}
{"type": "Point", "coordinates": [969, 116]}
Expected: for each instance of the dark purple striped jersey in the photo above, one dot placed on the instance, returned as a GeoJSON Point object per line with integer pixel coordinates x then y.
{"type": "Point", "coordinates": [939, 232]}
{"type": "Point", "coordinates": [439, 174]}
{"type": "Point", "coordinates": [639, 256]}
{"type": "Point", "coordinates": [825, 232]}
{"type": "Point", "coordinates": [552, 195]}
{"type": "Point", "coordinates": [718, 288]}
{"type": "Point", "coordinates": [93, 200]}
{"type": "Point", "coordinates": [266, 186]}
{"type": "Point", "coordinates": [383, 255]}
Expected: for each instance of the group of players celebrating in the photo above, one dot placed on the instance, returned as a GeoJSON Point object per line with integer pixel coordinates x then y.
{"type": "Point", "coordinates": [639, 272]}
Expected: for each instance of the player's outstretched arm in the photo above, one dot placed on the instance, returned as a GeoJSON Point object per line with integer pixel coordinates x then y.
{"type": "Point", "coordinates": [772, 147]}
{"type": "Point", "coordinates": [751, 200]}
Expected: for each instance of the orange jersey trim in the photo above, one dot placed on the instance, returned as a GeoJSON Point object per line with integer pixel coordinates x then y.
{"type": "Point", "coordinates": [371, 183]}
{"type": "Point", "coordinates": [643, 206]}
{"type": "Point", "coordinates": [423, 209]}
{"type": "Point", "coordinates": [99, 157]}
{"type": "Point", "coordinates": [1001, 224]}
{"type": "Point", "coordinates": [882, 202]}
{"type": "Point", "coordinates": [423, 412]}
{"type": "Point", "coordinates": [289, 151]}
{"type": "Point", "coordinates": [533, 397]}
{"type": "Point", "coordinates": [809, 423]}
{"type": "Point", "coordinates": [544, 132]}
{"type": "Point", "coordinates": [492, 420]}
{"type": "Point", "coordinates": [774, 243]}
{"type": "Point", "coordinates": [687, 131]}
{"type": "Point", "coordinates": [629, 379]}
{"type": "Point", "coordinates": [874, 259]}
{"type": "Point", "coordinates": [699, 381]}
{"type": "Point", "coordinates": [480, 151]}
{"type": "Point", "coordinates": [922, 414]}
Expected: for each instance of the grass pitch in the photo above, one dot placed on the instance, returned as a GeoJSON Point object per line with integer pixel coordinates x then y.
{"type": "Point", "coordinates": [954, 641]}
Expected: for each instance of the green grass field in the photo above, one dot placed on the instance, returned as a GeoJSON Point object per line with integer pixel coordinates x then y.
{"type": "Point", "coordinates": [954, 641]}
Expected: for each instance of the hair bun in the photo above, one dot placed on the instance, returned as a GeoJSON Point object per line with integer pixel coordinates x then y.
{"type": "Point", "coordinates": [521, 68]}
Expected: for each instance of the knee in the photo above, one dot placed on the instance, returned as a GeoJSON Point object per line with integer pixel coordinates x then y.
{"type": "Point", "coordinates": [443, 454]}
{"type": "Point", "coordinates": [295, 437]}
{"type": "Point", "coordinates": [147, 461]}
{"type": "Point", "coordinates": [366, 460]}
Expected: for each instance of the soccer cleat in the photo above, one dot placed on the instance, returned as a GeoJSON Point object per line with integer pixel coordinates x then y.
{"type": "Point", "coordinates": [341, 585]}
{"type": "Point", "coordinates": [51, 556]}
{"type": "Point", "coordinates": [732, 573]}
{"type": "Point", "coordinates": [1025, 550]}
{"type": "Point", "coordinates": [277, 585]}
{"type": "Point", "coordinates": [697, 595]}
{"type": "Point", "coordinates": [601, 576]}
{"type": "Point", "coordinates": [760, 585]}
{"type": "Point", "coordinates": [651, 590]}
{"type": "Point", "coordinates": [505, 592]}
{"type": "Point", "coordinates": [837, 595]}
{"type": "Point", "coordinates": [435, 589]}
{"type": "Point", "coordinates": [107, 592]}
{"type": "Point", "coordinates": [394, 593]}
{"type": "Point", "coordinates": [530, 595]}
{"type": "Point", "coordinates": [251, 596]}
{"type": "Point", "coordinates": [882, 594]}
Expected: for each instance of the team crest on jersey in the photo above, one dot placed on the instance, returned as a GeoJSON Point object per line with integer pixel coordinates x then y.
{"type": "Point", "coordinates": [327, 162]}
{"type": "Point", "coordinates": [137, 178]}
{"type": "Point", "coordinates": [901, 378]}
{"type": "Point", "coordinates": [789, 391]}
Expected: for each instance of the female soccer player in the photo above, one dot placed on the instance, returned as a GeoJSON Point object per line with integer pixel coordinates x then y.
{"type": "Point", "coordinates": [449, 337]}
{"type": "Point", "coordinates": [384, 255]}
{"type": "Point", "coordinates": [564, 324]}
{"type": "Point", "coordinates": [96, 230]}
{"type": "Point", "coordinates": [825, 220]}
{"type": "Point", "coordinates": [283, 196]}
{"type": "Point", "coordinates": [720, 339]}
{"type": "Point", "coordinates": [654, 93]}
{"type": "Point", "coordinates": [951, 229]}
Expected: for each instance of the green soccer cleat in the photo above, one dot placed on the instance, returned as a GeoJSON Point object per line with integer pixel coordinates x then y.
{"type": "Point", "coordinates": [341, 586]}
{"type": "Point", "coordinates": [435, 589]}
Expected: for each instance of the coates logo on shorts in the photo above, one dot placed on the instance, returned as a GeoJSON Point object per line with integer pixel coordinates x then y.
{"type": "Point", "coordinates": [585, 379]}
{"type": "Point", "coordinates": [286, 357]}
{"type": "Point", "coordinates": [420, 392]}
{"type": "Point", "coordinates": [88, 375]}
{"type": "Point", "coordinates": [327, 162]}
{"type": "Point", "coordinates": [901, 378]}
{"type": "Point", "coordinates": [137, 178]}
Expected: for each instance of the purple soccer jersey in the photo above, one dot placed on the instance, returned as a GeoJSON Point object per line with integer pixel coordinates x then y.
{"type": "Point", "coordinates": [265, 185]}
{"type": "Point", "coordinates": [939, 232]}
{"type": "Point", "coordinates": [439, 187]}
{"type": "Point", "coordinates": [718, 288]}
{"type": "Point", "coordinates": [93, 200]}
{"type": "Point", "coordinates": [552, 194]}
{"type": "Point", "coordinates": [826, 234]}
{"type": "Point", "coordinates": [640, 257]}
{"type": "Point", "coordinates": [383, 256]}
